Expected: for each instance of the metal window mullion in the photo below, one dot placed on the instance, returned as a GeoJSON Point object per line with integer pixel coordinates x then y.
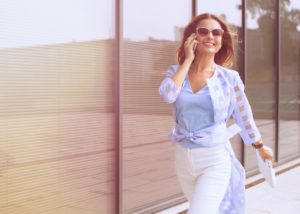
{"type": "Point", "coordinates": [244, 60]}
{"type": "Point", "coordinates": [277, 85]}
{"type": "Point", "coordinates": [118, 106]}
{"type": "Point", "coordinates": [194, 8]}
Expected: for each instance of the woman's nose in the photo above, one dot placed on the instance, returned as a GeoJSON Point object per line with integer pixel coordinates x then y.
{"type": "Point", "coordinates": [210, 35]}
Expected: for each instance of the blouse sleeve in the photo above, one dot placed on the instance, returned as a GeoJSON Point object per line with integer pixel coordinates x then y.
{"type": "Point", "coordinates": [242, 113]}
{"type": "Point", "coordinates": [168, 90]}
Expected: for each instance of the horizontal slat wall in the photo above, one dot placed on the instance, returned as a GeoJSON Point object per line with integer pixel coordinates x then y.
{"type": "Point", "coordinates": [147, 152]}
{"type": "Point", "coordinates": [57, 139]}
{"type": "Point", "coordinates": [56, 78]}
{"type": "Point", "coordinates": [148, 169]}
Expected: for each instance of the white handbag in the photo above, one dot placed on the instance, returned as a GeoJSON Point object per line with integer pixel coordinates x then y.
{"type": "Point", "coordinates": [266, 168]}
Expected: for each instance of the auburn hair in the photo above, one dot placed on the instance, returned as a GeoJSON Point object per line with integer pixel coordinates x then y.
{"type": "Point", "coordinates": [225, 55]}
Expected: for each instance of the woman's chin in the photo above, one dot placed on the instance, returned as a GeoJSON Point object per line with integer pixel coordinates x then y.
{"type": "Point", "coordinates": [207, 51]}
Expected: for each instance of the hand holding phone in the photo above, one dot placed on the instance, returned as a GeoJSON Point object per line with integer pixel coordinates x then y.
{"type": "Point", "coordinates": [190, 46]}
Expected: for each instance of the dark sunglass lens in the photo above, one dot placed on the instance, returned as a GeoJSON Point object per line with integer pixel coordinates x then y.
{"type": "Point", "coordinates": [217, 32]}
{"type": "Point", "coordinates": [203, 31]}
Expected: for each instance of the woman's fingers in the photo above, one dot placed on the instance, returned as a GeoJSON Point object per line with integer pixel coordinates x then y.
{"type": "Point", "coordinates": [195, 44]}
{"type": "Point", "coordinates": [190, 46]}
{"type": "Point", "coordinates": [266, 154]}
{"type": "Point", "coordinates": [191, 42]}
{"type": "Point", "coordinates": [191, 38]}
{"type": "Point", "coordinates": [269, 156]}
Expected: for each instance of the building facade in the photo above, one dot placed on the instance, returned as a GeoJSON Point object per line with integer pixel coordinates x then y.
{"type": "Point", "coordinates": [83, 129]}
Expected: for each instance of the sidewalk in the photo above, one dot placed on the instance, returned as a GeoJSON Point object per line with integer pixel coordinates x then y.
{"type": "Point", "coordinates": [284, 198]}
{"type": "Point", "coordinates": [262, 199]}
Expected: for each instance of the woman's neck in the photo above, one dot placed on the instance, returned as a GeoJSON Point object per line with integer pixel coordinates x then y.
{"type": "Point", "coordinates": [203, 64]}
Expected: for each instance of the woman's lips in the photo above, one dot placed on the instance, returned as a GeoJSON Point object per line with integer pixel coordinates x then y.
{"type": "Point", "coordinates": [208, 44]}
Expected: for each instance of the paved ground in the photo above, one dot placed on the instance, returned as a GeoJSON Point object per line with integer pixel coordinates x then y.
{"type": "Point", "coordinates": [284, 198]}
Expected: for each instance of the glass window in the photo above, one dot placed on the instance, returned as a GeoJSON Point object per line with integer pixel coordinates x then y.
{"type": "Point", "coordinates": [289, 82]}
{"type": "Point", "coordinates": [232, 14]}
{"type": "Point", "coordinates": [261, 71]}
{"type": "Point", "coordinates": [57, 125]}
{"type": "Point", "coordinates": [151, 36]}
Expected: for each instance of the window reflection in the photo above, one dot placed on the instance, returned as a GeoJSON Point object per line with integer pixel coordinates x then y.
{"type": "Point", "coordinates": [57, 134]}
{"type": "Point", "coordinates": [231, 11]}
{"type": "Point", "coordinates": [289, 126]}
{"type": "Point", "coordinates": [151, 35]}
{"type": "Point", "coordinates": [33, 23]}
{"type": "Point", "coordinates": [261, 71]}
{"type": "Point", "coordinates": [155, 19]}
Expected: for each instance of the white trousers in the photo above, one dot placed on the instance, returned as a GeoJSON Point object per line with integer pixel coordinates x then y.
{"type": "Point", "coordinates": [203, 174]}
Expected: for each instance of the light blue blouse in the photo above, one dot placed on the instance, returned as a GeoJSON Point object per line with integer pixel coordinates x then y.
{"type": "Point", "coordinates": [194, 111]}
{"type": "Point", "coordinates": [228, 98]}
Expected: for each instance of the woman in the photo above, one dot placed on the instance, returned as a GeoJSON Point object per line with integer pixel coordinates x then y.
{"type": "Point", "coordinates": [204, 94]}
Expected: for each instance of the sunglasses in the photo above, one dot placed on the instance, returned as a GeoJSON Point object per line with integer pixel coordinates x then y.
{"type": "Point", "coordinates": [204, 31]}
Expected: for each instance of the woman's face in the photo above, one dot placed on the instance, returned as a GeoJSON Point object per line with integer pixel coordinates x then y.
{"type": "Point", "coordinates": [209, 35]}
